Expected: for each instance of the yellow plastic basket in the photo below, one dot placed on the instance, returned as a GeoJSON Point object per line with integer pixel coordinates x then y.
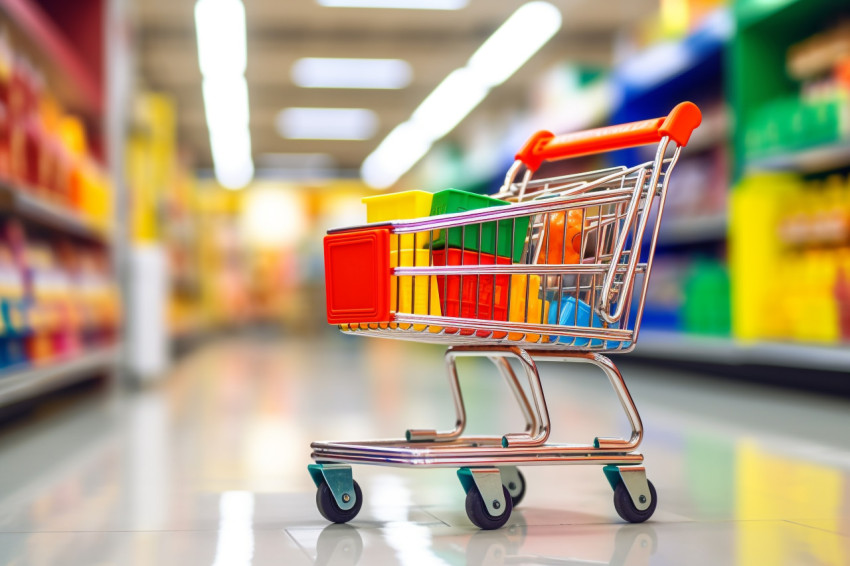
{"type": "Point", "coordinates": [400, 206]}
{"type": "Point", "coordinates": [409, 294]}
{"type": "Point", "coordinates": [519, 296]}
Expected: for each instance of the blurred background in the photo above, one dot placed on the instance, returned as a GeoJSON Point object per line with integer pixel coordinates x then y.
{"type": "Point", "coordinates": [168, 169]}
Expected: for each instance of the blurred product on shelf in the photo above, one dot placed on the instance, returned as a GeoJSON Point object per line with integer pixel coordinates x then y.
{"type": "Point", "coordinates": [43, 151]}
{"type": "Point", "coordinates": [821, 54]}
{"type": "Point", "coordinates": [818, 113]}
{"type": "Point", "coordinates": [706, 308]}
{"type": "Point", "coordinates": [58, 298]}
{"type": "Point", "coordinates": [790, 257]}
{"type": "Point", "coordinates": [689, 293]}
{"type": "Point", "coordinates": [703, 180]}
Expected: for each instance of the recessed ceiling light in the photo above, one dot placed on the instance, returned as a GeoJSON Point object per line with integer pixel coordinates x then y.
{"type": "Point", "coordinates": [397, 4]}
{"type": "Point", "coordinates": [314, 72]}
{"type": "Point", "coordinates": [327, 123]}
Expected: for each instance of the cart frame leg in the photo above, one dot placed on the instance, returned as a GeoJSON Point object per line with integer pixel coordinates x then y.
{"type": "Point", "coordinates": [523, 449]}
{"type": "Point", "coordinates": [430, 435]}
{"type": "Point", "coordinates": [532, 415]}
{"type": "Point", "coordinates": [620, 389]}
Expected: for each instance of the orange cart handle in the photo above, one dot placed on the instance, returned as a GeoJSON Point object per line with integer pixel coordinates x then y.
{"type": "Point", "coordinates": [546, 146]}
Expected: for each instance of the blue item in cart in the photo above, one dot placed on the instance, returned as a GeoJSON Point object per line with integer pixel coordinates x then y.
{"type": "Point", "coordinates": [568, 317]}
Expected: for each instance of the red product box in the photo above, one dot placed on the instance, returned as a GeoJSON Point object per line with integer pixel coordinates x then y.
{"type": "Point", "coordinates": [472, 296]}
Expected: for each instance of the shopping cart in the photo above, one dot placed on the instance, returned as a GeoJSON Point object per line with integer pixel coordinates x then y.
{"type": "Point", "coordinates": [550, 275]}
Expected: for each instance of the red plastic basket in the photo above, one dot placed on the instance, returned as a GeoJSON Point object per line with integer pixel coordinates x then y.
{"type": "Point", "coordinates": [357, 276]}
{"type": "Point", "coordinates": [458, 296]}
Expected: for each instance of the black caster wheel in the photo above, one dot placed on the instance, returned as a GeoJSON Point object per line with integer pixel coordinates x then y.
{"type": "Point", "coordinates": [515, 499]}
{"type": "Point", "coordinates": [330, 510]}
{"type": "Point", "coordinates": [476, 510]}
{"type": "Point", "coordinates": [627, 510]}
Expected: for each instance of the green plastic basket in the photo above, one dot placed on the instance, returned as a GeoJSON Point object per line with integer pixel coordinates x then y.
{"type": "Point", "coordinates": [471, 237]}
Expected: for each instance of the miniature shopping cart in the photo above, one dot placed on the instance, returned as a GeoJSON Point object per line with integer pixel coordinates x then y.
{"type": "Point", "coordinates": [556, 268]}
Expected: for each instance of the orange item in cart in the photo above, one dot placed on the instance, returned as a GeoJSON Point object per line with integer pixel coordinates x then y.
{"type": "Point", "coordinates": [553, 248]}
{"type": "Point", "coordinates": [483, 297]}
{"type": "Point", "coordinates": [357, 276]}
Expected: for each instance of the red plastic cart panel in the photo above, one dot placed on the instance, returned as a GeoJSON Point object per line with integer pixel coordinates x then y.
{"type": "Point", "coordinates": [473, 297]}
{"type": "Point", "coordinates": [357, 276]}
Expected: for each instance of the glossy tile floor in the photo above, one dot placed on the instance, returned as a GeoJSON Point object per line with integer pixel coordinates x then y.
{"type": "Point", "coordinates": [210, 467]}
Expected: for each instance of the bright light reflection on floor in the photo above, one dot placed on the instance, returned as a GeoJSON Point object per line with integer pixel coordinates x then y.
{"type": "Point", "coordinates": [235, 532]}
{"type": "Point", "coordinates": [411, 542]}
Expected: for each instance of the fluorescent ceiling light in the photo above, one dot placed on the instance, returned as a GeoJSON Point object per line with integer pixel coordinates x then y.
{"type": "Point", "coordinates": [521, 36]}
{"type": "Point", "coordinates": [327, 123]}
{"type": "Point", "coordinates": [510, 46]}
{"type": "Point", "coordinates": [222, 56]}
{"type": "Point", "coordinates": [231, 152]}
{"type": "Point", "coordinates": [448, 104]}
{"type": "Point", "coordinates": [220, 27]}
{"type": "Point", "coordinates": [226, 103]}
{"type": "Point", "coordinates": [226, 108]}
{"type": "Point", "coordinates": [313, 72]}
{"type": "Point", "coordinates": [399, 4]}
{"type": "Point", "coordinates": [401, 149]}
{"type": "Point", "coordinates": [234, 175]}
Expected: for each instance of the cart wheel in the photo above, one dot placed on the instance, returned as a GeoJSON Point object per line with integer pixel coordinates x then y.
{"type": "Point", "coordinates": [515, 499]}
{"type": "Point", "coordinates": [331, 511]}
{"type": "Point", "coordinates": [476, 510]}
{"type": "Point", "coordinates": [626, 508]}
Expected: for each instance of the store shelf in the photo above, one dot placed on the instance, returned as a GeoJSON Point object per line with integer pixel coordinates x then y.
{"type": "Point", "coordinates": [677, 230]}
{"type": "Point", "coordinates": [20, 384]}
{"type": "Point", "coordinates": [814, 160]}
{"type": "Point", "coordinates": [716, 350]}
{"type": "Point", "coordinates": [58, 57]}
{"type": "Point", "coordinates": [14, 200]}
{"type": "Point", "coordinates": [668, 66]}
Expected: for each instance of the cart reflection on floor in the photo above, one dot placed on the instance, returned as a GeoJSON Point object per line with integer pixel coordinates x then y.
{"type": "Point", "coordinates": [633, 545]}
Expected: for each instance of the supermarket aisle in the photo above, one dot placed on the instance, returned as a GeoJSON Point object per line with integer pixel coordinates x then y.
{"type": "Point", "coordinates": [210, 468]}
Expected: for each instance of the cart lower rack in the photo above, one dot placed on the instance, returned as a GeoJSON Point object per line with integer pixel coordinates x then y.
{"type": "Point", "coordinates": [548, 272]}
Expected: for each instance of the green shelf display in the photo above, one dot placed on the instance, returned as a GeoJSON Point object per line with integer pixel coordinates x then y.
{"type": "Point", "coordinates": [773, 117]}
{"type": "Point", "coordinates": [707, 308]}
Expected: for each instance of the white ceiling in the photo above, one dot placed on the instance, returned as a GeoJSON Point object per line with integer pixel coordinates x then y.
{"type": "Point", "coordinates": [433, 42]}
